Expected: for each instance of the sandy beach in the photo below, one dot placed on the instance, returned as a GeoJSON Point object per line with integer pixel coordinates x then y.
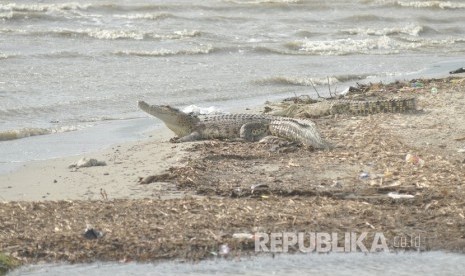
{"type": "Point", "coordinates": [400, 174]}
{"type": "Point", "coordinates": [125, 164]}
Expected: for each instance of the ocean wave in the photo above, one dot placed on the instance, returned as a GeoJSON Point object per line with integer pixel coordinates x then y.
{"type": "Point", "coordinates": [5, 56]}
{"type": "Point", "coordinates": [6, 135]}
{"type": "Point", "coordinates": [431, 4]}
{"type": "Point", "coordinates": [413, 30]}
{"type": "Point", "coordinates": [20, 15]}
{"type": "Point", "coordinates": [63, 54]}
{"type": "Point", "coordinates": [347, 46]}
{"type": "Point", "coordinates": [146, 16]}
{"type": "Point", "coordinates": [425, 4]}
{"type": "Point", "coordinates": [106, 34]}
{"type": "Point", "coordinates": [167, 52]}
{"type": "Point", "coordinates": [266, 1]}
{"type": "Point", "coordinates": [43, 7]}
{"type": "Point", "coordinates": [6, 15]}
{"type": "Point", "coordinates": [367, 18]}
{"type": "Point", "coordinates": [308, 81]}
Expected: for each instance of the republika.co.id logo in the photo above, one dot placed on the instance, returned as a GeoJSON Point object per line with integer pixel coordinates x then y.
{"type": "Point", "coordinates": [321, 242]}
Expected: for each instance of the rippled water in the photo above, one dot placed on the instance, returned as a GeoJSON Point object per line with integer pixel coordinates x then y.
{"type": "Point", "coordinates": [430, 263]}
{"type": "Point", "coordinates": [67, 66]}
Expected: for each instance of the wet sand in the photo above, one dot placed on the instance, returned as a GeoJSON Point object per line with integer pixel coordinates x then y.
{"type": "Point", "coordinates": [125, 165]}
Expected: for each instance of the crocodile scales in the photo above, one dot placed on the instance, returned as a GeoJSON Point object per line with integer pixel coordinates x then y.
{"type": "Point", "coordinates": [343, 106]}
{"type": "Point", "coordinates": [249, 127]}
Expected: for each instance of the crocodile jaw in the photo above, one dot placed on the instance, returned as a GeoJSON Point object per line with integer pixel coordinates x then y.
{"type": "Point", "coordinates": [180, 123]}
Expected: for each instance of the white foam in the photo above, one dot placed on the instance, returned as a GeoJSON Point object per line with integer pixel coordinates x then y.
{"type": "Point", "coordinates": [432, 4]}
{"type": "Point", "coordinates": [149, 16]}
{"type": "Point", "coordinates": [34, 131]}
{"type": "Point", "coordinates": [410, 29]}
{"type": "Point", "coordinates": [166, 52]}
{"type": "Point", "coordinates": [43, 7]}
{"type": "Point", "coordinates": [378, 45]}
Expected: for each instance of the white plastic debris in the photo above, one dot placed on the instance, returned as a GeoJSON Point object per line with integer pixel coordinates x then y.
{"type": "Point", "coordinates": [246, 236]}
{"type": "Point", "coordinates": [414, 159]}
{"type": "Point", "coordinates": [202, 110]}
{"type": "Point", "coordinates": [87, 162]}
{"type": "Point", "coordinates": [345, 91]}
{"type": "Point", "coordinates": [224, 249]}
{"type": "Point", "coordinates": [364, 175]}
{"type": "Point", "coordinates": [399, 196]}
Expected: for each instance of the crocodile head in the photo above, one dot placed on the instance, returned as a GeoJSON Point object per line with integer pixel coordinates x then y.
{"type": "Point", "coordinates": [180, 123]}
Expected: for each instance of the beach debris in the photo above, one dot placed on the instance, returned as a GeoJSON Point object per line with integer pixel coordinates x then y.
{"type": "Point", "coordinates": [267, 109]}
{"type": "Point", "coordinates": [193, 109]}
{"type": "Point", "coordinates": [395, 195]}
{"type": "Point", "coordinates": [434, 90]}
{"type": "Point", "coordinates": [460, 138]}
{"type": "Point", "coordinates": [8, 263]}
{"type": "Point", "coordinates": [243, 236]}
{"type": "Point", "coordinates": [364, 175]}
{"type": "Point", "coordinates": [346, 90]}
{"type": "Point", "coordinates": [87, 162]}
{"type": "Point", "coordinates": [125, 260]}
{"type": "Point", "coordinates": [224, 250]}
{"type": "Point", "coordinates": [461, 150]}
{"type": "Point", "coordinates": [236, 192]}
{"type": "Point", "coordinates": [92, 234]}
{"type": "Point", "coordinates": [417, 84]}
{"type": "Point", "coordinates": [259, 188]}
{"type": "Point", "coordinates": [155, 178]}
{"type": "Point", "coordinates": [103, 193]}
{"type": "Point", "coordinates": [457, 71]}
{"type": "Point", "coordinates": [414, 159]}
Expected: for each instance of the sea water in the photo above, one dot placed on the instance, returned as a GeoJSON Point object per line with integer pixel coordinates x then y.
{"type": "Point", "coordinates": [404, 264]}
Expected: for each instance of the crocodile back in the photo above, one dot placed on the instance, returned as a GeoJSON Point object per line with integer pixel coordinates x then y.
{"type": "Point", "coordinates": [227, 126]}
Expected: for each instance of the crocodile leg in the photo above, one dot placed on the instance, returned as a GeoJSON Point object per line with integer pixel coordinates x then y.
{"type": "Point", "coordinates": [194, 136]}
{"type": "Point", "coordinates": [254, 131]}
{"type": "Point", "coordinates": [304, 132]}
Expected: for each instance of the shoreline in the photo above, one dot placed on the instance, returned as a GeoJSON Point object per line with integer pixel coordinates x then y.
{"type": "Point", "coordinates": [139, 127]}
{"type": "Point", "coordinates": [201, 195]}
{"type": "Point", "coordinates": [125, 163]}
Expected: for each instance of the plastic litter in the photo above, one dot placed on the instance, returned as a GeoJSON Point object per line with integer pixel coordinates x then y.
{"type": "Point", "coordinates": [417, 84]}
{"type": "Point", "coordinates": [414, 159]}
{"type": "Point", "coordinates": [246, 236]}
{"type": "Point", "coordinates": [259, 188]}
{"type": "Point", "coordinates": [224, 250]}
{"type": "Point", "coordinates": [399, 196]}
{"type": "Point", "coordinates": [92, 234]}
{"type": "Point", "coordinates": [202, 110]}
{"type": "Point", "coordinates": [364, 175]}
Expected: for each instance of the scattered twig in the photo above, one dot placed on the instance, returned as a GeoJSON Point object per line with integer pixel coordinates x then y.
{"type": "Point", "coordinates": [314, 88]}
{"type": "Point", "coordinates": [329, 87]}
{"type": "Point", "coordinates": [103, 193]}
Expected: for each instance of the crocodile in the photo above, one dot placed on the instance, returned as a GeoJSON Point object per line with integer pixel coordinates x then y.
{"type": "Point", "coordinates": [247, 127]}
{"type": "Point", "coordinates": [344, 106]}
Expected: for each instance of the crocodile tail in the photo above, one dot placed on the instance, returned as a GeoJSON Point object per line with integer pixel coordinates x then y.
{"type": "Point", "coordinates": [303, 131]}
